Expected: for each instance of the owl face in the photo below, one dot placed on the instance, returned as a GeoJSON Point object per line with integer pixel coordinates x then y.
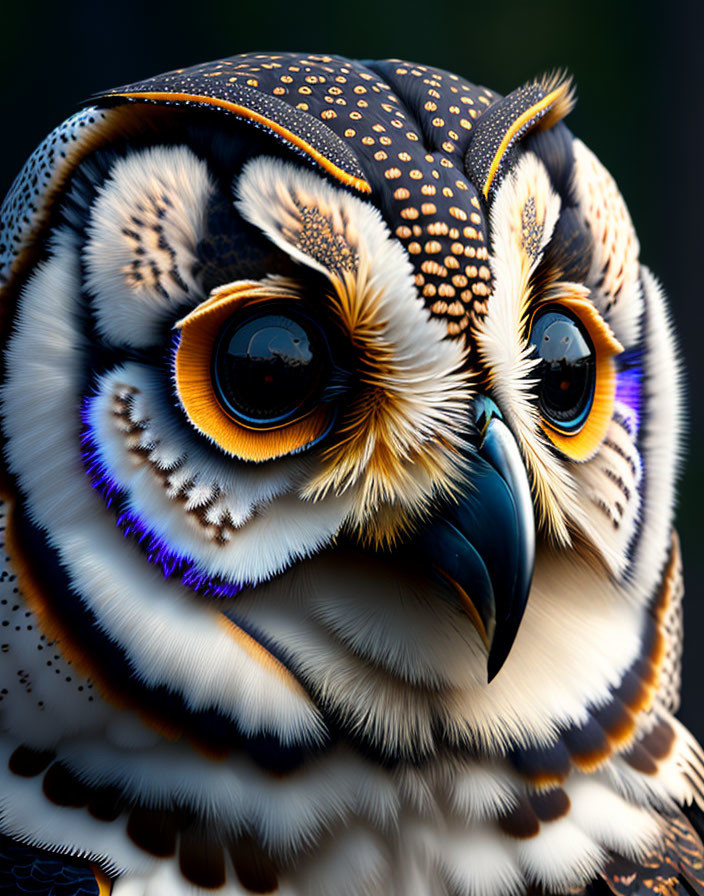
{"type": "Point", "coordinates": [316, 369]}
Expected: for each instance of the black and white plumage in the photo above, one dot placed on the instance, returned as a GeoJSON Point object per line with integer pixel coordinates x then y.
{"type": "Point", "coordinates": [340, 425]}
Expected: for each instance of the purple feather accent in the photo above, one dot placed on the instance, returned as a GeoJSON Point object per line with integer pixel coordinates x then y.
{"type": "Point", "coordinates": [629, 391]}
{"type": "Point", "coordinates": [156, 549]}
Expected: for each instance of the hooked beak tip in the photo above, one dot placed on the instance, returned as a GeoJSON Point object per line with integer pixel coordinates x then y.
{"type": "Point", "coordinates": [484, 546]}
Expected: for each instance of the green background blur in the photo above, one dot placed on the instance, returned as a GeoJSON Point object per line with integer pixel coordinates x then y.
{"type": "Point", "coordinates": [640, 79]}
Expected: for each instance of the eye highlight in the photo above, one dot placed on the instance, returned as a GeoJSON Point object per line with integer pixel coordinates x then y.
{"type": "Point", "coordinates": [576, 374]}
{"type": "Point", "coordinates": [269, 366]}
{"type": "Point", "coordinates": [567, 369]}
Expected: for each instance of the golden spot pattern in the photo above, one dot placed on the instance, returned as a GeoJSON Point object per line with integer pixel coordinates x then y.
{"type": "Point", "coordinates": [340, 112]}
{"type": "Point", "coordinates": [319, 240]}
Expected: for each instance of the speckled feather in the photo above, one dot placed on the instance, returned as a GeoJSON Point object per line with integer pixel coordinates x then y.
{"type": "Point", "coordinates": [329, 729]}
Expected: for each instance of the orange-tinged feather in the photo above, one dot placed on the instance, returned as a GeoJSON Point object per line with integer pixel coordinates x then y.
{"type": "Point", "coordinates": [243, 112]}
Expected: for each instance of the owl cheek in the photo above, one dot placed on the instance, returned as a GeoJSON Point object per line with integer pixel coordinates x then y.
{"type": "Point", "coordinates": [206, 521]}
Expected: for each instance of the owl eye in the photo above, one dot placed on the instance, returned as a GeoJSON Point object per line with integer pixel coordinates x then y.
{"type": "Point", "coordinates": [576, 374]}
{"type": "Point", "coordinates": [566, 371]}
{"type": "Point", "coordinates": [270, 366]}
{"type": "Point", "coordinates": [256, 373]}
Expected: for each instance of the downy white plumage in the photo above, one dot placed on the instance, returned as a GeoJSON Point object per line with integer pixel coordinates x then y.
{"type": "Point", "coordinates": [340, 460]}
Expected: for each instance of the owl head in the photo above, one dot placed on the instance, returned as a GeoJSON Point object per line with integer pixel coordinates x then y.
{"type": "Point", "coordinates": [335, 398]}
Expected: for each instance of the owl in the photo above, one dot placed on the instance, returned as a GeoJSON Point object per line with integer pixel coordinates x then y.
{"type": "Point", "coordinates": [340, 422]}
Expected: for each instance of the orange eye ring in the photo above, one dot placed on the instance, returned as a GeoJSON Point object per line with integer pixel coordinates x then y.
{"type": "Point", "coordinates": [194, 381]}
{"type": "Point", "coordinates": [581, 442]}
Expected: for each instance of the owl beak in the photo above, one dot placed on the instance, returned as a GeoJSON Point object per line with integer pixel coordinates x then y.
{"type": "Point", "coordinates": [484, 546]}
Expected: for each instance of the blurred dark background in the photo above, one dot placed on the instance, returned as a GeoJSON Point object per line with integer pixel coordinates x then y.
{"type": "Point", "coordinates": [640, 79]}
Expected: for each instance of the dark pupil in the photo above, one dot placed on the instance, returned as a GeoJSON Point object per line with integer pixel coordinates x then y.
{"type": "Point", "coordinates": [567, 369]}
{"type": "Point", "coordinates": [266, 366]}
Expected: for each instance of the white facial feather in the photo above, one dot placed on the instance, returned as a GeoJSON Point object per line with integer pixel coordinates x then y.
{"type": "Point", "coordinates": [611, 483]}
{"type": "Point", "coordinates": [266, 526]}
{"type": "Point", "coordinates": [403, 442]}
{"type": "Point", "coordinates": [592, 633]}
{"type": "Point", "coordinates": [662, 435]}
{"type": "Point", "coordinates": [164, 631]}
{"type": "Point", "coordinates": [140, 253]}
{"type": "Point", "coordinates": [502, 338]}
{"type": "Point", "coordinates": [614, 276]}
